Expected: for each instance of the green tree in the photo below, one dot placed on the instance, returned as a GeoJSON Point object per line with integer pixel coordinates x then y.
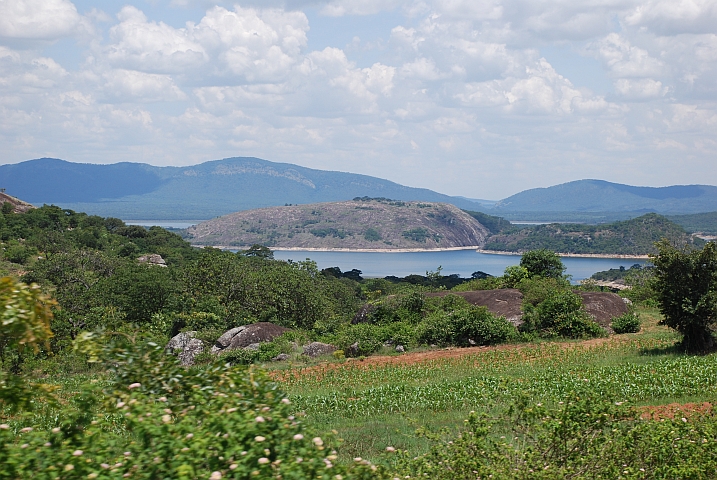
{"type": "Point", "coordinates": [542, 263]}
{"type": "Point", "coordinates": [686, 284]}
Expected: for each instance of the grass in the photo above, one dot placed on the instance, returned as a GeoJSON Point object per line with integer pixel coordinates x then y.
{"type": "Point", "coordinates": [373, 405]}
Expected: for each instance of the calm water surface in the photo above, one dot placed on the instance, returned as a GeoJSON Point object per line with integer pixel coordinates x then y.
{"type": "Point", "coordinates": [462, 262]}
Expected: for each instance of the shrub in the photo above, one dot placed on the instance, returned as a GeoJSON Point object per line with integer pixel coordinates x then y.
{"type": "Point", "coordinates": [537, 289]}
{"type": "Point", "coordinates": [366, 336]}
{"type": "Point", "coordinates": [542, 263]}
{"type": "Point", "coordinates": [464, 327]}
{"type": "Point", "coordinates": [560, 315]}
{"type": "Point", "coordinates": [626, 323]}
{"type": "Point", "coordinates": [159, 420]}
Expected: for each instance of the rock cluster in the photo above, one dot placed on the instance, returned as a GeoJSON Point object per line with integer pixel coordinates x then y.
{"type": "Point", "coordinates": [152, 259]}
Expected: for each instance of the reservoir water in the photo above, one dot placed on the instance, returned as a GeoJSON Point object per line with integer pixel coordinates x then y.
{"type": "Point", "coordinates": [382, 264]}
{"type": "Point", "coordinates": [462, 262]}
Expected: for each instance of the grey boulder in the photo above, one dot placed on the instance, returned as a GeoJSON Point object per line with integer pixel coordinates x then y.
{"type": "Point", "coordinates": [316, 349]}
{"type": "Point", "coordinates": [193, 348]}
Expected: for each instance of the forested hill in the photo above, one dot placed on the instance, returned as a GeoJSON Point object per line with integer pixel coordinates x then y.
{"type": "Point", "coordinates": [631, 237]}
{"type": "Point", "coordinates": [207, 190]}
{"type": "Point", "coordinates": [362, 223]}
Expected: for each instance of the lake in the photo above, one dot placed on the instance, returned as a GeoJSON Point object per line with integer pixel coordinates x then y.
{"type": "Point", "coordinates": [462, 262]}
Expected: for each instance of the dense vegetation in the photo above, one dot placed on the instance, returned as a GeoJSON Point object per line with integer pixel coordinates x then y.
{"type": "Point", "coordinates": [697, 222]}
{"type": "Point", "coordinates": [119, 407]}
{"type": "Point", "coordinates": [630, 237]}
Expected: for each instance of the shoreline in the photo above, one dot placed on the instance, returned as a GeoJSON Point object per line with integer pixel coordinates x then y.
{"type": "Point", "coordinates": [420, 250]}
{"type": "Point", "coordinates": [354, 250]}
{"type": "Point", "coordinates": [573, 255]}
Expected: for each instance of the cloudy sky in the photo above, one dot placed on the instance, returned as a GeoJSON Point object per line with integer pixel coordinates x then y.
{"type": "Point", "coordinates": [480, 98]}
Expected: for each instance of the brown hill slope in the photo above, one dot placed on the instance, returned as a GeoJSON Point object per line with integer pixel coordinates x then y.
{"type": "Point", "coordinates": [18, 205]}
{"type": "Point", "coordinates": [379, 224]}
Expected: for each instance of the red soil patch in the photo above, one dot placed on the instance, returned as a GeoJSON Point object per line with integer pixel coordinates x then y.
{"type": "Point", "coordinates": [675, 410]}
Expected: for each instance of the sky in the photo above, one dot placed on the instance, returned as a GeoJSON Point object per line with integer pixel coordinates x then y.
{"type": "Point", "coordinates": [478, 98]}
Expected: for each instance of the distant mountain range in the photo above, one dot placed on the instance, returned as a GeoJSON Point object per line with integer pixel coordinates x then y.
{"type": "Point", "coordinates": [601, 196]}
{"type": "Point", "coordinates": [140, 191]}
{"type": "Point", "coordinates": [211, 189]}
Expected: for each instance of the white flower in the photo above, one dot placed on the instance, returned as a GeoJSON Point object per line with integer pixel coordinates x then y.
{"type": "Point", "coordinates": [127, 454]}
{"type": "Point", "coordinates": [69, 467]}
{"type": "Point", "coordinates": [232, 410]}
{"type": "Point", "coordinates": [48, 444]}
{"type": "Point", "coordinates": [105, 465]}
{"type": "Point", "coordinates": [92, 475]}
{"type": "Point", "coordinates": [134, 385]}
{"type": "Point", "coordinates": [259, 419]}
{"type": "Point", "coordinates": [285, 401]}
{"type": "Point", "coordinates": [233, 466]}
{"type": "Point", "coordinates": [298, 436]}
{"type": "Point", "coordinates": [317, 441]}
{"type": "Point", "coordinates": [24, 445]}
{"type": "Point", "coordinates": [120, 404]}
{"type": "Point", "coordinates": [390, 449]}
{"type": "Point", "coordinates": [162, 399]}
{"type": "Point", "coordinates": [56, 430]}
{"type": "Point", "coordinates": [26, 429]}
{"type": "Point", "coordinates": [259, 438]}
{"type": "Point", "coordinates": [77, 453]}
{"type": "Point", "coordinates": [684, 419]}
{"type": "Point", "coordinates": [4, 426]}
{"type": "Point", "coordinates": [358, 459]}
{"type": "Point", "coordinates": [166, 418]}
{"type": "Point", "coordinates": [190, 435]}
{"type": "Point", "coordinates": [215, 476]}
{"type": "Point", "coordinates": [263, 460]}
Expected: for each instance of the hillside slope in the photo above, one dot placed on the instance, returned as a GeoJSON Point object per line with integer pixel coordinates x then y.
{"type": "Point", "coordinates": [601, 196]}
{"type": "Point", "coordinates": [207, 190]}
{"type": "Point", "coordinates": [357, 224]}
{"type": "Point", "coordinates": [631, 237]}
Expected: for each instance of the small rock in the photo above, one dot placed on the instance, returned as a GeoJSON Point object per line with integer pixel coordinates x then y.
{"type": "Point", "coordinates": [471, 341]}
{"type": "Point", "coordinates": [627, 301]}
{"type": "Point", "coordinates": [282, 357]}
{"type": "Point", "coordinates": [152, 259]}
{"type": "Point", "coordinates": [193, 348]}
{"type": "Point", "coordinates": [400, 349]}
{"type": "Point", "coordinates": [352, 350]}
{"type": "Point", "coordinates": [316, 349]}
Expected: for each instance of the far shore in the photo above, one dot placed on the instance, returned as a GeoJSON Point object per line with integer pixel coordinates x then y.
{"type": "Point", "coordinates": [419, 250]}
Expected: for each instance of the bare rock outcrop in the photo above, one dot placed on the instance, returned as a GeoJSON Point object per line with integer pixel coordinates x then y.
{"type": "Point", "coordinates": [186, 347]}
{"type": "Point", "coordinates": [152, 259]}
{"type": "Point", "coordinates": [603, 307]}
{"type": "Point", "coordinates": [316, 349]}
{"type": "Point", "coordinates": [247, 336]}
{"type": "Point", "coordinates": [505, 302]}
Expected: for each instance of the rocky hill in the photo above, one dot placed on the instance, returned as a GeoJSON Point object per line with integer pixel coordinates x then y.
{"type": "Point", "coordinates": [376, 224]}
{"type": "Point", "coordinates": [18, 205]}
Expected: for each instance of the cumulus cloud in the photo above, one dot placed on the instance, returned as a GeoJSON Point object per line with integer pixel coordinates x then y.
{"type": "Point", "coordinates": [38, 19]}
{"type": "Point", "coordinates": [458, 98]}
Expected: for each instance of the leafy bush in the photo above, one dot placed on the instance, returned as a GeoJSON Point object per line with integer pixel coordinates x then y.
{"type": "Point", "coordinates": [626, 323]}
{"type": "Point", "coordinates": [560, 315]}
{"type": "Point", "coordinates": [537, 289]}
{"type": "Point", "coordinates": [159, 420]}
{"type": "Point", "coordinates": [366, 336]}
{"type": "Point", "coordinates": [542, 263]}
{"type": "Point", "coordinates": [464, 327]}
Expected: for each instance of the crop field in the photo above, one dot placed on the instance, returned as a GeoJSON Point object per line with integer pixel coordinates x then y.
{"type": "Point", "coordinates": [374, 403]}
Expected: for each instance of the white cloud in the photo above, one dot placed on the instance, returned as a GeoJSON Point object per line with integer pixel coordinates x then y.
{"type": "Point", "coordinates": [38, 19]}
{"type": "Point", "coordinates": [641, 89]}
{"type": "Point", "coordinates": [459, 98]}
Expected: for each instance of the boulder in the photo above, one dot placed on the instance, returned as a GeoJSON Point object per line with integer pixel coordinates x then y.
{"type": "Point", "coordinates": [316, 349]}
{"type": "Point", "coordinates": [193, 348]}
{"type": "Point", "coordinates": [603, 307]}
{"type": "Point", "coordinates": [352, 350]}
{"type": "Point", "coordinates": [226, 339]}
{"type": "Point", "coordinates": [282, 357]}
{"type": "Point", "coordinates": [253, 346]}
{"type": "Point", "coordinates": [256, 333]}
{"type": "Point", "coordinates": [503, 302]}
{"type": "Point", "coordinates": [400, 349]}
{"type": "Point", "coordinates": [180, 341]}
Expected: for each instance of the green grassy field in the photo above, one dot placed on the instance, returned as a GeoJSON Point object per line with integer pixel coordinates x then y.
{"type": "Point", "coordinates": [374, 405]}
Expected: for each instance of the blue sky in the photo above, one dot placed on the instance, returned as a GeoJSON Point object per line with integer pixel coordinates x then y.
{"type": "Point", "coordinates": [479, 98]}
